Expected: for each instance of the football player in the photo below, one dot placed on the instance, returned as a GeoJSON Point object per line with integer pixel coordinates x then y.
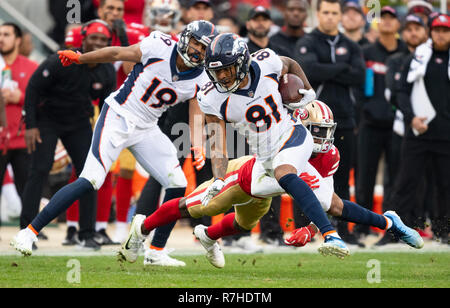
{"type": "Point", "coordinates": [166, 73]}
{"type": "Point", "coordinates": [243, 190]}
{"type": "Point", "coordinates": [244, 92]}
{"type": "Point", "coordinates": [318, 118]}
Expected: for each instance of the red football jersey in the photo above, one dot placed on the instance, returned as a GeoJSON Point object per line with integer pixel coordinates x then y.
{"type": "Point", "coordinates": [326, 163]}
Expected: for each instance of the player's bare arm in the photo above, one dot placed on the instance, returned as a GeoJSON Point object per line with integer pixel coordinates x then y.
{"type": "Point", "coordinates": [217, 137]}
{"type": "Point", "coordinates": [196, 126]}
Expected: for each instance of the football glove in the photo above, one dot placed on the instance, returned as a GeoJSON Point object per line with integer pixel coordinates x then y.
{"type": "Point", "coordinates": [69, 57]}
{"type": "Point", "coordinates": [199, 158]}
{"type": "Point", "coordinates": [311, 180]}
{"type": "Point", "coordinates": [308, 96]}
{"type": "Point", "coordinates": [212, 190]}
{"type": "Point", "coordinates": [301, 236]}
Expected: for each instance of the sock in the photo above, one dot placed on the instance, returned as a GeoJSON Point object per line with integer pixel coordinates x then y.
{"type": "Point", "coordinates": [307, 201]}
{"type": "Point", "coordinates": [225, 227]}
{"type": "Point", "coordinates": [162, 232]}
{"type": "Point", "coordinates": [355, 213]}
{"type": "Point", "coordinates": [61, 202]}
{"type": "Point", "coordinates": [104, 198]}
{"type": "Point", "coordinates": [71, 223]}
{"type": "Point", "coordinates": [100, 225]}
{"type": "Point", "coordinates": [123, 198]}
{"type": "Point", "coordinates": [167, 213]}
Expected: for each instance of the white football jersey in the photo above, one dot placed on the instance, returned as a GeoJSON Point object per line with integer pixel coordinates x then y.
{"type": "Point", "coordinates": [155, 84]}
{"type": "Point", "coordinates": [256, 111]}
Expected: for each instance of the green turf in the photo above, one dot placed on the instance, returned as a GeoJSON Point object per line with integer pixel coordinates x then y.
{"type": "Point", "coordinates": [416, 270]}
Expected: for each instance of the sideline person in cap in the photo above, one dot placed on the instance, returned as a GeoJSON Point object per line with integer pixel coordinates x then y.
{"type": "Point", "coordinates": [414, 33]}
{"type": "Point", "coordinates": [426, 74]}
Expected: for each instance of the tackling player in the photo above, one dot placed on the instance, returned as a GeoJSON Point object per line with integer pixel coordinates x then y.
{"type": "Point", "coordinates": [166, 73]}
{"type": "Point", "coordinates": [243, 191]}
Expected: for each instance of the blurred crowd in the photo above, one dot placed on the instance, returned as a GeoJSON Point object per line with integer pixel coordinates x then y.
{"type": "Point", "coordinates": [393, 112]}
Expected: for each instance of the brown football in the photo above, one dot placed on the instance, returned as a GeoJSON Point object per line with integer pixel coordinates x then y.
{"type": "Point", "coordinates": [289, 86]}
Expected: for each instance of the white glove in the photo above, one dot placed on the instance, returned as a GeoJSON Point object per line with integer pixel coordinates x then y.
{"type": "Point", "coordinates": [308, 96]}
{"type": "Point", "coordinates": [212, 191]}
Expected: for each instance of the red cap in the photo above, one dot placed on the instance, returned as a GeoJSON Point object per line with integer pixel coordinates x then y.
{"type": "Point", "coordinates": [98, 27]}
{"type": "Point", "coordinates": [441, 21]}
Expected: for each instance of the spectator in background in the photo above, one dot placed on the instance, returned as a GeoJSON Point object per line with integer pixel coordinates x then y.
{"type": "Point", "coordinates": [26, 45]}
{"type": "Point", "coordinates": [199, 10]}
{"type": "Point", "coordinates": [228, 24]}
{"type": "Point", "coordinates": [59, 10]}
{"type": "Point", "coordinates": [258, 27]}
{"type": "Point", "coordinates": [414, 33]}
{"type": "Point", "coordinates": [133, 10]}
{"type": "Point", "coordinates": [353, 22]}
{"type": "Point", "coordinates": [58, 105]}
{"type": "Point", "coordinates": [15, 75]}
{"type": "Point", "coordinates": [334, 65]}
{"type": "Point", "coordinates": [295, 15]}
{"type": "Point", "coordinates": [426, 138]}
{"type": "Point", "coordinates": [375, 131]}
{"type": "Point", "coordinates": [421, 8]}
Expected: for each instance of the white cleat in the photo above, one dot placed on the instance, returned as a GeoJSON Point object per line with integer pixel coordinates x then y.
{"type": "Point", "coordinates": [129, 251]}
{"type": "Point", "coordinates": [213, 252]}
{"type": "Point", "coordinates": [23, 241]}
{"type": "Point", "coordinates": [161, 258]}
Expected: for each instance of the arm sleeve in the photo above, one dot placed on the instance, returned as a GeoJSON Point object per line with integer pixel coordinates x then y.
{"type": "Point", "coordinates": [403, 93]}
{"type": "Point", "coordinates": [306, 56]}
{"type": "Point", "coordinates": [43, 78]}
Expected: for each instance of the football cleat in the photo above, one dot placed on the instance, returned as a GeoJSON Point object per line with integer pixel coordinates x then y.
{"type": "Point", "coordinates": [406, 234]}
{"type": "Point", "coordinates": [214, 253]}
{"type": "Point", "coordinates": [161, 258]}
{"type": "Point", "coordinates": [23, 241]}
{"type": "Point", "coordinates": [334, 246]}
{"type": "Point", "coordinates": [129, 250]}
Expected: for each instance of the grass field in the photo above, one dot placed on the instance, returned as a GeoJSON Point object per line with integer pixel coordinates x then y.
{"type": "Point", "coordinates": [415, 270]}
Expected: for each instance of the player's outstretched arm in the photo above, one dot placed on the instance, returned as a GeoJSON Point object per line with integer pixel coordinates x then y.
{"type": "Point", "coordinates": [105, 55]}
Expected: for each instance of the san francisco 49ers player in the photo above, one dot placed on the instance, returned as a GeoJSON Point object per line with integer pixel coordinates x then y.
{"type": "Point", "coordinates": [247, 190]}
{"type": "Point", "coordinates": [166, 73]}
{"type": "Point", "coordinates": [318, 118]}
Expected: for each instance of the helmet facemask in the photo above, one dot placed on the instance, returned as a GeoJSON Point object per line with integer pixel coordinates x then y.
{"type": "Point", "coordinates": [186, 51]}
{"type": "Point", "coordinates": [323, 135]}
{"type": "Point", "coordinates": [236, 71]}
{"type": "Point", "coordinates": [317, 117]}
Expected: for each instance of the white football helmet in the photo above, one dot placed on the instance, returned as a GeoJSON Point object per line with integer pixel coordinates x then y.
{"type": "Point", "coordinates": [318, 118]}
{"type": "Point", "coordinates": [163, 15]}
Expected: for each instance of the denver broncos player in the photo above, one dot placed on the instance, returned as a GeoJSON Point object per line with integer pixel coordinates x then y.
{"type": "Point", "coordinates": [244, 92]}
{"type": "Point", "coordinates": [166, 73]}
{"type": "Point", "coordinates": [250, 201]}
